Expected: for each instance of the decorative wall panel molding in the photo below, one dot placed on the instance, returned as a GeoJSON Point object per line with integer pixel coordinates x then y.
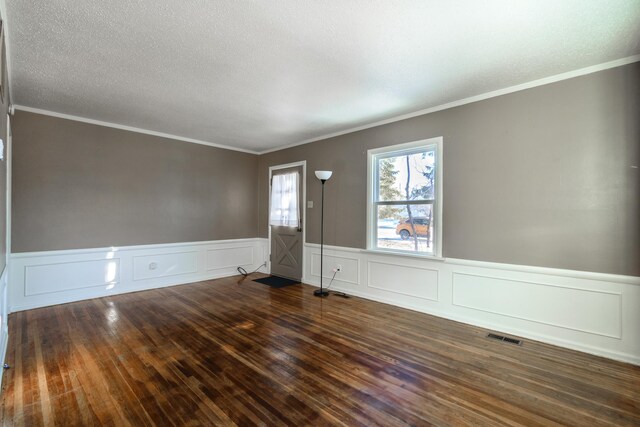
{"type": "Point", "coordinates": [53, 277]}
{"type": "Point", "coordinates": [163, 265]}
{"type": "Point", "coordinates": [555, 305]}
{"type": "Point", "coordinates": [416, 282]}
{"type": "Point", "coordinates": [350, 267]}
{"type": "Point", "coordinates": [230, 257]}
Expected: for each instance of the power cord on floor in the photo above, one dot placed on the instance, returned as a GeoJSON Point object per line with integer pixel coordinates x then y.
{"type": "Point", "coordinates": [244, 272]}
{"type": "Point", "coordinates": [331, 281]}
{"type": "Point", "coordinates": [340, 294]}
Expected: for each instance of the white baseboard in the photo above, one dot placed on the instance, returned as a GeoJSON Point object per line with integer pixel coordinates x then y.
{"type": "Point", "coordinates": [591, 312]}
{"type": "Point", "coordinates": [3, 352]}
{"type": "Point", "coordinates": [39, 279]}
{"type": "Point", "coordinates": [4, 328]}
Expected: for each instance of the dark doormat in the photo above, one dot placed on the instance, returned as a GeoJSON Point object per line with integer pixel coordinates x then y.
{"type": "Point", "coordinates": [276, 281]}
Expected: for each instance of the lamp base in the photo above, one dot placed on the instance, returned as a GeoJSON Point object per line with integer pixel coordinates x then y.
{"type": "Point", "coordinates": [320, 293]}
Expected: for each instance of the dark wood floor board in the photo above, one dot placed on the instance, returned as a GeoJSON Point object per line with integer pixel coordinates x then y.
{"type": "Point", "coordinates": [336, 374]}
{"type": "Point", "coordinates": [572, 395]}
{"type": "Point", "coordinates": [235, 352]}
{"type": "Point", "coordinates": [371, 357]}
{"type": "Point", "coordinates": [244, 356]}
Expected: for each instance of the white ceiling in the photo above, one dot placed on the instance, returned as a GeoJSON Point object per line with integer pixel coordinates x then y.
{"type": "Point", "coordinates": [262, 74]}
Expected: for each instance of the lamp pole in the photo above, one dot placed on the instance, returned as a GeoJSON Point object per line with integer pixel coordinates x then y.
{"type": "Point", "coordinates": [323, 176]}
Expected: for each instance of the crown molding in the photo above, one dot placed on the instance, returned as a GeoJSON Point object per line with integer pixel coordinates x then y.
{"type": "Point", "coordinates": [535, 83]}
{"type": "Point", "coordinates": [129, 128]}
{"type": "Point", "coordinates": [469, 100]}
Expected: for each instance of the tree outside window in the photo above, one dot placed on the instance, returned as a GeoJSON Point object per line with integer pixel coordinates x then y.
{"type": "Point", "coordinates": [404, 197]}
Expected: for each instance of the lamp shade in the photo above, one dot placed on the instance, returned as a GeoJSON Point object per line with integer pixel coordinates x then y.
{"type": "Point", "coordinates": [323, 175]}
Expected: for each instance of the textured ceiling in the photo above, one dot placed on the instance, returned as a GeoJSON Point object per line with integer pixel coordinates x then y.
{"type": "Point", "coordinates": [263, 74]}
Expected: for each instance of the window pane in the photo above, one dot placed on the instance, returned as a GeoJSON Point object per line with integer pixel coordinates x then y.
{"type": "Point", "coordinates": [395, 231]}
{"type": "Point", "coordinates": [407, 177]}
{"type": "Point", "coordinates": [284, 200]}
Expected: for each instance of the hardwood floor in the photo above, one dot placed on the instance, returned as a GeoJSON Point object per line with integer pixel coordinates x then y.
{"type": "Point", "coordinates": [235, 352]}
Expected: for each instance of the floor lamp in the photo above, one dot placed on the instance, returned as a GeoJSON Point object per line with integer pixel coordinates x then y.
{"type": "Point", "coordinates": [323, 176]}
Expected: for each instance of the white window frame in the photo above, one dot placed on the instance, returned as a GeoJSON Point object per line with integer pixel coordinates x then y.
{"type": "Point", "coordinates": [372, 217]}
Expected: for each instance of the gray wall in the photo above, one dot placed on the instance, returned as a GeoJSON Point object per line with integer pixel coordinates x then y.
{"type": "Point", "coordinates": [541, 177]}
{"type": "Point", "coordinates": [78, 185]}
{"type": "Point", "coordinates": [546, 177]}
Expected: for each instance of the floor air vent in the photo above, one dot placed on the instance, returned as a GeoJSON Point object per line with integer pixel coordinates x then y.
{"type": "Point", "coordinates": [505, 339]}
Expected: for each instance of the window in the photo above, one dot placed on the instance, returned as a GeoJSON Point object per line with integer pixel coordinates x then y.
{"type": "Point", "coordinates": [405, 193]}
{"type": "Point", "coordinates": [284, 200]}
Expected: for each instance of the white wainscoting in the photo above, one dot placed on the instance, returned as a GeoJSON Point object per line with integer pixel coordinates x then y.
{"type": "Point", "coordinates": [591, 312]}
{"type": "Point", "coordinates": [39, 279]}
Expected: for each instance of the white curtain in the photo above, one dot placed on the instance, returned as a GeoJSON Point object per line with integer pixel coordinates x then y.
{"type": "Point", "coordinates": [284, 200]}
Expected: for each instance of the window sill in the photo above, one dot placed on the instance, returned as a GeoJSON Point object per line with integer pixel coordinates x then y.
{"type": "Point", "coordinates": [405, 254]}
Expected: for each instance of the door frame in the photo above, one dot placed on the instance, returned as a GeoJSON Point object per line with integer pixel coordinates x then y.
{"type": "Point", "coordinates": [303, 210]}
